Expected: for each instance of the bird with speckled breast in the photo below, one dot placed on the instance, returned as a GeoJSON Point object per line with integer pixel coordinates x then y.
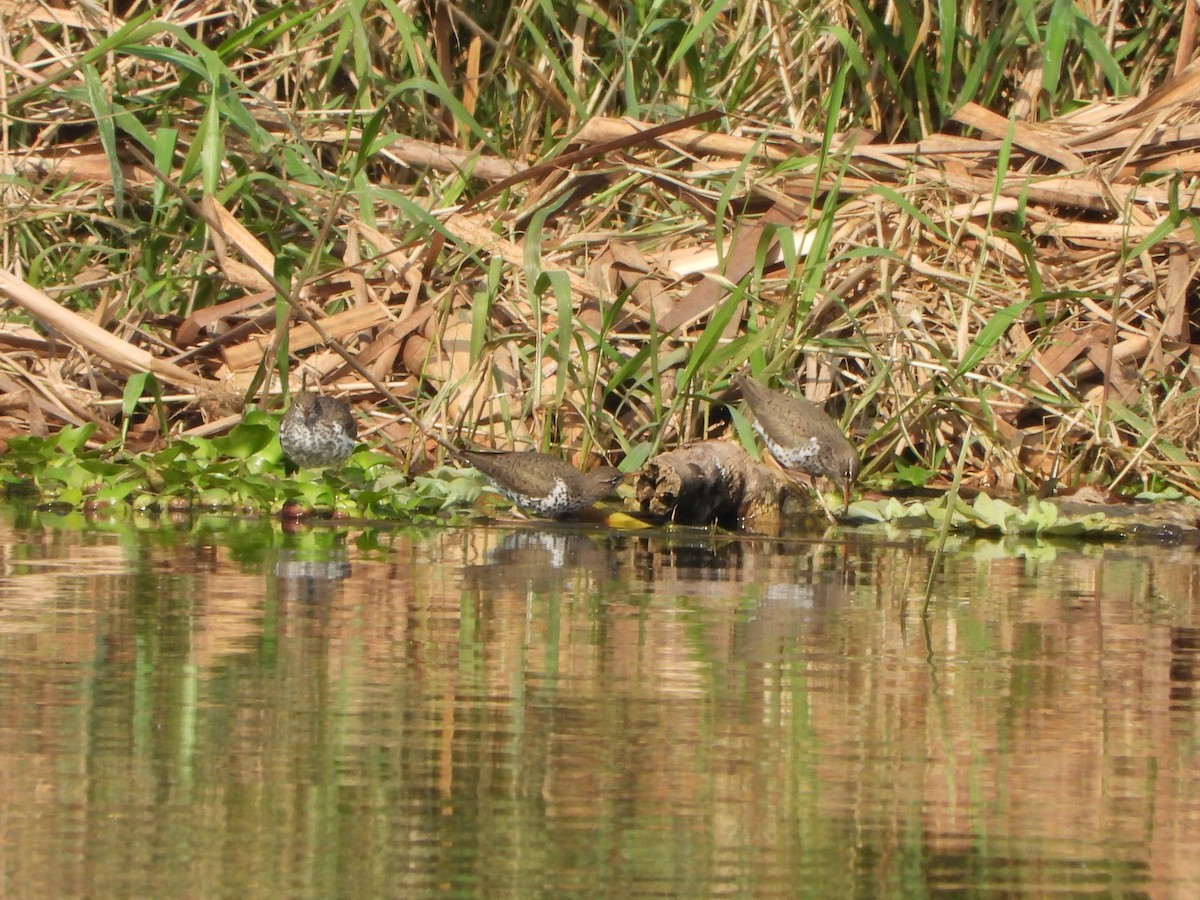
{"type": "Point", "coordinates": [543, 484]}
{"type": "Point", "coordinates": [318, 431]}
{"type": "Point", "coordinates": [800, 435]}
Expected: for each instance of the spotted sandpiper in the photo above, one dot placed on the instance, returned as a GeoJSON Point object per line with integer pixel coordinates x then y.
{"type": "Point", "coordinates": [800, 435]}
{"type": "Point", "coordinates": [542, 484]}
{"type": "Point", "coordinates": [318, 431]}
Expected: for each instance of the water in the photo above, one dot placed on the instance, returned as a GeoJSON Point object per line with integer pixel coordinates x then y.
{"type": "Point", "coordinates": [222, 709]}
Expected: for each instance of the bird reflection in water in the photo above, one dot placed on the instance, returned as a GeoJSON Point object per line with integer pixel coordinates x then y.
{"type": "Point", "coordinates": [543, 559]}
{"type": "Point", "coordinates": [311, 574]}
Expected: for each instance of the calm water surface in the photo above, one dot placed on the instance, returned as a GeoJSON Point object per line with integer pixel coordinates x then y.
{"type": "Point", "coordinates": [222, 709]}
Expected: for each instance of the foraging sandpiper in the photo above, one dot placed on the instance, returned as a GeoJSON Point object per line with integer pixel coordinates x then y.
{"type": "Point", "coordinates": [800, 435]}
{"type": "Point", "coordinates": [542, 484]}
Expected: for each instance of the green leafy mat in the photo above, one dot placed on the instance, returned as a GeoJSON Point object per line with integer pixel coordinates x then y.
{"type": "Point", "coordinates": [990, 515]}
{"type": "Point", "coordinates": [242, 471]}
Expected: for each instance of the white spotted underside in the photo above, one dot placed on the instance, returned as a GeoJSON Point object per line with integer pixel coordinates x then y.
{"type": "Point", "coordinates": [804, 457]}
{"type": "Point", "coordinates": [322, 444]}
{"type": "Point", "coordinates": [555, 502]}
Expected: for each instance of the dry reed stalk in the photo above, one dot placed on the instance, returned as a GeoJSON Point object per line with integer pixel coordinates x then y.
{"type": "Point", "coordinates": [926, 291]}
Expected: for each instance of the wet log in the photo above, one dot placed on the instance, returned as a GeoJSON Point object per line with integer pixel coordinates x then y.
{"type": "Point", "coordinates": [1166, 521]}
{"type": "Point", "coordinates": [711, 481]}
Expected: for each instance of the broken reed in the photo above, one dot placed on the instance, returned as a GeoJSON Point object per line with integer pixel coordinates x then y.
{"type": "Point", "coordinates": [872, 219]}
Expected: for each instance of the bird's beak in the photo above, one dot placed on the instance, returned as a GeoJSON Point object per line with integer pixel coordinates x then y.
{"type": "Point", "coordinates": [846, 496]}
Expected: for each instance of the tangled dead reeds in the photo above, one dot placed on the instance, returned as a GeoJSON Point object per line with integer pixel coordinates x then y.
{"type": "Point", "coordinates": [1017, 294]}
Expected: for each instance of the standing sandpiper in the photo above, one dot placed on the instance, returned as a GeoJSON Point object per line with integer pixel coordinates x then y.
{"type": "Point", "coordinates": [318, 431]}
{"type": "Point", "coordinates": [542, 484]}
{"type": "Point", "coordinates": [800, 435]}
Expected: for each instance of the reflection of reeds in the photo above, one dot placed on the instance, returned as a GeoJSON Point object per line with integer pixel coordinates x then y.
{"type": "Point", "coordinates": [747, 709]}
{"type": "Point", "coordinates": [942, 235]}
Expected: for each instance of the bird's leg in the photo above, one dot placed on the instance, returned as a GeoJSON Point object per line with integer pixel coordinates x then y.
{"type": "Point", "coordinates": [811, 485]}
{"type": "Point", "coordinates": [824, 506]}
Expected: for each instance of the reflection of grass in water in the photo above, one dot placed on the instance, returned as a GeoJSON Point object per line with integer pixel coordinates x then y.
{"type": "Point", "coordinates": [668, 728]}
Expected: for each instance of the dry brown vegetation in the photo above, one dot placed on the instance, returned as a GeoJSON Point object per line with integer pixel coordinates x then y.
{"type": "Point", "coordinates": [1015, 288]}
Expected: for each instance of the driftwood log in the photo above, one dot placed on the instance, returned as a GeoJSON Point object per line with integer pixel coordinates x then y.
{"type": "Point", "coordinates": [711, 481]}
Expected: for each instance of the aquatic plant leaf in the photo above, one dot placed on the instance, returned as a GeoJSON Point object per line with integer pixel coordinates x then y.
{"type": "Point", "coordinates": [912, 475]}
{"type": "Point", "coordinates": [113, 492]}
{"type": "Point", "coordinates": [890, 509]}
{"type": "Point", "coordinates": [310, 493]}
{"type": "Point", "coordinates": [145, 501]}
{"type": "Point", "coordinates": [196, 449]}
{"type": "Point", "coordinates": [1039, 515]}
{"type": "Point", "coordinates": [961, 515]}
{"type": "Point", "coordinates": [997, 514]}
{"type": "Point", "coordinates": [462, 490]}
{"type": "Point", "coordinates": [68, 471]}
{"type": "Point", "coordinates": [371, 459]}
{"type": "Point", "coordinates": [245, 440]}
{"type": "Point", "coordinates": [215, 498]}
{"type": "Point", "coordinates": [70, 439]}
{"type": "Point", "coordinates": [103, 469]}
{"type": "Point", "coordinates": [389, 480]}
